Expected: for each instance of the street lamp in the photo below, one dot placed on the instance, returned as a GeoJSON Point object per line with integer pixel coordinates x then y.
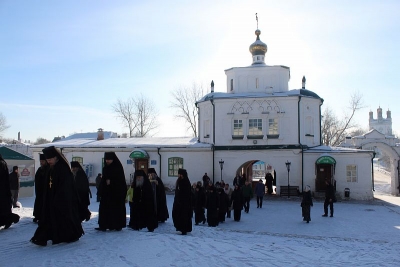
{"type": "Point", "coordinates": [288, 170]}
{"type": "Point", "coordinates": [221, 164]}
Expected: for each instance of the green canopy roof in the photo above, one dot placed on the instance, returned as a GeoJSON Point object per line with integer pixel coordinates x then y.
{"type": "Point", "coordinates": [8, 153]}
{"type": "Point", "coordinates": [326, 160]}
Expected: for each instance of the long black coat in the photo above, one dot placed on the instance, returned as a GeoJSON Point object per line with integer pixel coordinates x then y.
{"type": "Point", "coordinates": [237, 199]}
{"type": "Point", "coordinates": [223, 204]}
{"type": "Point", "coordinates": [82, 186]}
{"type": "Point", "coordinates": [112, 212]}
{"type": "Point", "coordinates": [182, 208]}
{"type": "Point", "coordinates": [143, 214]}
{"type": "Point", "coordinates": [60, 215]}
{"type": "Point", "coordinates": [212, 205]}
{"type": "Point", "coordinates": [6, 216]}
{"type": "Point", "coordinates": [306, 204]}
{"type": "Point", "coordinates": [199, 204]}
{"type": "Point", "coordinates": [161, 198]}
{"type": "Point", "coordinates": [40, 178]}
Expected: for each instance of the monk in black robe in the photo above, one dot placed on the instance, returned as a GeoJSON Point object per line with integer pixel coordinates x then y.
{"type": "Point", "coordinates": [82, 186]}
{"type": "Point", "coordinates": [40, 178]}
{"type": "Point", "coordinates": [161, 198]}
{"type": "Point", "coordinates": [182, 208]}
{"type": "Point", "coordinates": [143, 213]}
{"type": "Point", "coordinates": [59, 220]}
{"type": "Point", "coordinates": [212, 206]}
{"type": "Point", "coordinates": [6, 216]}
{"type": "Point", "coordinates": [112, 212]}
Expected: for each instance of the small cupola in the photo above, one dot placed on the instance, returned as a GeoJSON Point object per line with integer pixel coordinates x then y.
{"type": "Point", "coordinates": [258, 49]}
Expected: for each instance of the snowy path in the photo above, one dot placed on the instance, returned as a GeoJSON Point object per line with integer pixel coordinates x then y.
{"type": "Point", "coordinates": [360, 234]}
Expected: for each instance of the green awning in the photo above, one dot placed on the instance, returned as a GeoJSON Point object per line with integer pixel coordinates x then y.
{"type": "Point", "coordinates": [139, 154]}
{"type": "Point", "coordinates": [326, 160]}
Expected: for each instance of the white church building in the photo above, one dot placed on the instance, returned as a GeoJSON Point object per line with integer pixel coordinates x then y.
{"type": "Point", "coordinates": [257, 119]}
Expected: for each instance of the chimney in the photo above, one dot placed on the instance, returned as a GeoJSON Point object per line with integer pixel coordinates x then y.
{"type": "Point", "coordinates": [212, 86]}
{"type": "Point", "coordinates": [371, 115]}
{"type": "Point", "coordinates": [100, 134]}
{"type": "Point", "coordinates": [19, 136]}
{"type": "Point", "coordinates": [388, 114]}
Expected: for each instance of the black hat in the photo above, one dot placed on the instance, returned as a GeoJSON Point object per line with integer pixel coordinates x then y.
{"type": "Point", "coordinates": [182, 172]}
{"type": "Point", "coordinates": [42, 157]}
{"type": "Point", "coordinates": [15, 168]}
{"type": "Point", "coordinates": [140, 173]}
{"type": "Point", "coordinates": [109, 155]}
{"type": "Point", "coordinates": [151, 170]}
{"type": "Point", "coordinates": [75, 164]}
{"type": "Point", "coordinates": [50, 152]}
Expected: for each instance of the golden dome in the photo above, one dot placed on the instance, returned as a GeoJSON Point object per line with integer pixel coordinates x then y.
{"type": "Point", "coordinates": [258, 47]}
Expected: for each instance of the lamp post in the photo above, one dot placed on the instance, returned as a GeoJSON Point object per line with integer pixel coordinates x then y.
{"type": "Point", "coordinates": [288, 170]}
{"type": "Point", "coordinates": [221, 164]}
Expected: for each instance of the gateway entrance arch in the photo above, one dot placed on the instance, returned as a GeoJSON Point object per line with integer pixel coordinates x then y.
{"type": "Point", "coordinates": [375, 140]}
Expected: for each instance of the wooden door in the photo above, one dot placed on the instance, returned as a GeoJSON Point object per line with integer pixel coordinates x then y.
{"type": "Point", "coordinates": [141, 164]}
{"type": "Point", "coordinates": [324, 171]}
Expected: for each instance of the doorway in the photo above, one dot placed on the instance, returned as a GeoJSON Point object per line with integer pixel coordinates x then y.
{"type": "Point", "coordinates": [324, 171]}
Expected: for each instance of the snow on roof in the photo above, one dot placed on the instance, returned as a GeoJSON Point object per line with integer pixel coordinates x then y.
{"type": "Point", "coordinates": [294, 92]}
{"type": "Point", "coordinates": [130, 142]}
{"type": "Point", "coordinates": [335, 149]}
{"type": "Point", "coordinates": [91, 135]}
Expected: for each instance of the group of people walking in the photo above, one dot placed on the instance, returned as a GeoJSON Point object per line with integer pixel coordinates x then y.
{"type": "Point", "coordinates": [63, 199]}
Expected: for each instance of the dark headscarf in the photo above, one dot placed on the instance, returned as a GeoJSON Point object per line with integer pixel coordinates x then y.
{"type": "Point", "coordinates": [51, 152]}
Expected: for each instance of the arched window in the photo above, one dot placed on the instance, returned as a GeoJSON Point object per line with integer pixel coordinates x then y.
{"type": "Point", "coordinates": [174, 164]}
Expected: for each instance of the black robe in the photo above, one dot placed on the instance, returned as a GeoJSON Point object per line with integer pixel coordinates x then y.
{"type": "Point", "coordinates": [40, 178]}
{"type": "Point", "coordinates": [223, 204]}
{"type": "Point", "coordinates": [182, 208]}
{"type": "Point", "coordinates": [212, 205]}
{"type": "Point", "coordinates": [161, 201]}
{"type": "Point", "coordinates": [6, 216]}
{"type": "Point", "coordinates": [59, 220]}
{"type": "Point", "coordinates": [306, 204]}
{"type": "Point", "coordinates": [199, 204]}
{"type": "Point", "coordinates": [82, 186]}
{"type": "Point", "coordinates": [112, 212]}
{"type": "Point", "coordinates": [237, 203]}
{"type": "Point", "coordinates": [143, 214]}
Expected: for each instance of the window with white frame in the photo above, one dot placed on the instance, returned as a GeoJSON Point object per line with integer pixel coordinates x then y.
{"type": "Point", "coordinates": [237, 128]}
{"type": "Point", "coordinates": [273, 126]}
{"type": "Point", "coordinates": [78, 159]}
{"type": "Point", "coordinates": [255, 126]}
{"type": "Point", "coordinates": [351, 173]}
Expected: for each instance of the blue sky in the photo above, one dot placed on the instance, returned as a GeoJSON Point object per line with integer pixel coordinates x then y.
{"type": "Point", "coordinates": [64, 63]}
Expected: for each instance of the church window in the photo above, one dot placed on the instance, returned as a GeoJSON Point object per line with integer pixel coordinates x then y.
{"type": "Point", "coordinates": [257, 85]}
{"type": "Point", "coordinates": [174, 164]}
{"type": "Point", "coordinates": [351, 173]}
{"type": "Point", "coordinates": [238, 128]}
{"type": "Point", "coordinates": [273, 127]}
{"type": "Point", "coordinates": [308, 127]}
{"type": "Point", "coordinates": [255, 126]}
{"type": "Point", "coordinates": [231, 84]}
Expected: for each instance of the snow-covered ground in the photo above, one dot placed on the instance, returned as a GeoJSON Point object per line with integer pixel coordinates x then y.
{"type": "Point", "coordinates": [359, 234]}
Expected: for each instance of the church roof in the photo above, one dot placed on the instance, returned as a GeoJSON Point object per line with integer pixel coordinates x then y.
{"type": "Point", "coordinates": [295, 92]}
{"type": "Point", "coordinates": [8, 153]}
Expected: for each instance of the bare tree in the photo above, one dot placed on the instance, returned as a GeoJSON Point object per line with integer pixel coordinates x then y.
{"type": "Point", "coordinates": [139, 115]}
{"type": "Point", "coordinates": [184, 102]}
{"type": "Point", "coordinates": [41, 140]}
{"type": "Point", "coordinates": [333, 129]}
{"type": "Point", "coordinates": [3, 123]}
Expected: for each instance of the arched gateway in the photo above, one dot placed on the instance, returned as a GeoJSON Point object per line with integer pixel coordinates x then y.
{"type": "Point", "coordinates": [374, 139]}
